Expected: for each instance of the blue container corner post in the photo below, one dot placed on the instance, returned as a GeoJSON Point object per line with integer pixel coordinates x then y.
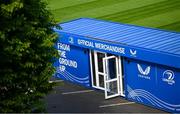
{"type": "Point", "coordinates": [144, 62]}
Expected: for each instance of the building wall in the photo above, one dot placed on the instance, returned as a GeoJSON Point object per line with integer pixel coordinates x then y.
{"type": "Point", "coordinates": [73, 64]}
{"type": "Point", "coordinates": [152, 84]}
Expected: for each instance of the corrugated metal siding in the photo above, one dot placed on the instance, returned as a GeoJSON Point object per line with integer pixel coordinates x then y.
{"type": "Point", "coordinates": [142, 37]}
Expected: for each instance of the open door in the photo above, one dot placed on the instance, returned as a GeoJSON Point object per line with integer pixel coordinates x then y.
{"type": "Point", "coordinates": [97, 63]}
{"type": "Point", "coordinates": [106, 73]}
{"type": "Point", "coordinates": [112, 72]}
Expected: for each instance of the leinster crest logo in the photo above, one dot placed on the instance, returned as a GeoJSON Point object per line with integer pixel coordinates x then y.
{"type": "Point", "coordinates": [168, 76]}
{"type": "Point", "coordinates": [71, 40]}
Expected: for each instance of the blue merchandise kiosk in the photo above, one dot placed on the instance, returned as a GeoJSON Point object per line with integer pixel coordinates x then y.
{"type": "Point", "coordinates": [138, 63]}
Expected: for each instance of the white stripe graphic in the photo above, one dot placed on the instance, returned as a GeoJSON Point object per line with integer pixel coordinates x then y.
{"type": "Point", "coordinates": [56, 81]}
{"type": "Point", "coordinates": [80, 81]}
{"type": "Point", "coordinates": [118, 104]}
{"type": "Point", "coordinates": [75, 92]}
{"type": "Point", "coordinates": [71, 77]}
{"type": "Point", "coordinates": [84, 78]}
{"type": "Point", "coordinates": [152, 99]}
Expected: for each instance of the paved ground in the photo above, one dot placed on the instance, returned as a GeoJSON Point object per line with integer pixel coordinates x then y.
{"type": "Point", "coordinates": [70, 98]}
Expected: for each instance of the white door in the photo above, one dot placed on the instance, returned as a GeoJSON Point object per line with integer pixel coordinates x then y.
{"type": "Point", "coordinates": [99, 71]}
{"type": "Point", "coordinates": [113, 77]}
{"type": "Point", "coordinates": [106, 73]}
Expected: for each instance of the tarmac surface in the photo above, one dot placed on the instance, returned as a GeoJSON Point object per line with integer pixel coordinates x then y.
{"type": "Point", "coordinates": [71, 98]}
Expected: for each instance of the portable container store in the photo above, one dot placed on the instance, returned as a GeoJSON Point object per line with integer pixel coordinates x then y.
{"type": "Point", "coordinates": [138, 63]}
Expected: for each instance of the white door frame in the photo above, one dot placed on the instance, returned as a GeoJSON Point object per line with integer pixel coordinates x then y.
{"type": "Point", "coordinates": [121, 77]}
{"type": "Point", "coordinates": [107, 80]}
{"type": "Point", "coordinates": [97, 73]}
{"type": "Point", "coordinates": [104, 74]}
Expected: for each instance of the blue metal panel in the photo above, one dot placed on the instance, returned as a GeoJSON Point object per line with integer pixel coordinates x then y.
{"type": "Point", "coordinates": [156, 46]}
{"type": "Point", "coordinates": [73, 60]}
{"type": "Point", "coordinates": [153, 85]}
{"type": "Point", "coordinates": [122, 33]}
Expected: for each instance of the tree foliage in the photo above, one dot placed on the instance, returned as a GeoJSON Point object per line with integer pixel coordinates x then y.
{"type": "Point", "coordinates": [26, 52]}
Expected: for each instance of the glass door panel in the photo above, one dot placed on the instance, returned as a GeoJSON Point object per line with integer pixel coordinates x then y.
{"type": "Point", "coordinates": [112, 84]}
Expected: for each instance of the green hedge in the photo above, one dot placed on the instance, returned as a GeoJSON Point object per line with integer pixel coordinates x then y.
{"type": "Point", "coordinates": [26, 52]}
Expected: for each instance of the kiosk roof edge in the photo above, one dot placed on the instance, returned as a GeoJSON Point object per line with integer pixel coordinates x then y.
{"type": "Point", "coordinates": [161, 41]}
